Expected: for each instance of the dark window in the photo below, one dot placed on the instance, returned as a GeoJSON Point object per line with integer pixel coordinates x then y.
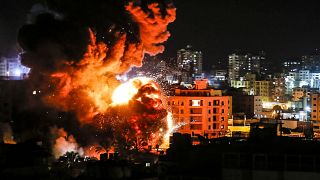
{"type": "Point", "coordinates": [209, 104]}
{"type": "Point", "coordinates": [209, 127]}
{"type": "Point", "coordinates": [182, 104]}
{"type": "Point", "coordinates": [181, 111]}
{"type": "Point", "coordinates": [314, 110]}
{"type": "Point", "coordinates": [222, 118]}
{"type": "Point", "coordinates": [314, 105]}
{"type": "Point", "coordinates": [214, 126]}
{"type": "Point", "coordinates": [222, 110]}
{"type": "Point", "coordinates": [209, 119]}
{"type": "Point", "coordinates": [215, 110]}
{"type": "Point", "coordinates": [209, 111]}
{"type": "Point", "coordinates": [169, 103]}
{"type": "Point", "coordinates": [222, 103]}
{"type": "Point", "coordinates": [214, 118]}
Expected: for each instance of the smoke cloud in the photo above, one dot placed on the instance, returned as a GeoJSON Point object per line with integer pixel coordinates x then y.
{"type": "Point", "coordinates": [78, 57]}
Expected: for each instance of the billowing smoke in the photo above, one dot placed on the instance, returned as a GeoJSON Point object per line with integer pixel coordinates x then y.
{"type": "Point", "coordinates": [76, 54]}
{"type": "Point", "coordinates": [63, 143]}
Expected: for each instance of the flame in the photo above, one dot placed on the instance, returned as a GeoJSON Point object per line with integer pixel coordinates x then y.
{"type": "Point", "coordinates": [126, 91]}
{"type": "Point", "coordinates": [86, 87]}
{"type": "Point", "coordinates": [166, 137]}
{"type": "Point", "coordinates": [7, 135]}
{"type": "Point", "coordinates": [131, 112]}
{"type": "Point", "coordinates": [172, 127]}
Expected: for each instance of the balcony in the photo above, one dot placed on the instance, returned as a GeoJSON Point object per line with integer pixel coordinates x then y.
{"type": "Point", "coordinates": [195, 110]}
{"type": "Point", "coordinates": [196, 119]}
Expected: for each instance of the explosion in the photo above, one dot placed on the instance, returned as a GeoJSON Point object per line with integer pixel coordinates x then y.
{"type": "Point", "coordinates": [126, 91]}
{"type": "Point", "coordinates": [125, 116]}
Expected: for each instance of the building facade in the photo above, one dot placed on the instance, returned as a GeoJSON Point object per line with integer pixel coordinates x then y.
{"type": "Point", "coordinates": [257, 88]}
{"type": "Point", "coordinates": [251, 106]}
{"type": "Point", "coordinates": [12, 67]}
{"type": "Point", "coordinates": [201, 111]}
{"type": "Point", "coordinates": [190, 60]}
{"type": "Point", "coordinates": [241, 64]}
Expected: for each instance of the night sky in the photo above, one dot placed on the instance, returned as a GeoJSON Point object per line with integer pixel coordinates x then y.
{"type": "Point", "coordinates": [283, 28]}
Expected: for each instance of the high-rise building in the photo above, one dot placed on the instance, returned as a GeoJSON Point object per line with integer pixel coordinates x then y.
{"type": "Point", "coordinates": [201, 111]}
{"type": "Point", "coordinates": [236, 64]}
{"type": "Point", "coordinates": [240, 64]}
{"type": "Point", "coordinates": [291, 66]}
{"type": "Point", "coordinates": [190, 60]}
{"type": "Point", "coordinates": [253, 63]}
{"type": "Point", "coordinates": [311, 62]}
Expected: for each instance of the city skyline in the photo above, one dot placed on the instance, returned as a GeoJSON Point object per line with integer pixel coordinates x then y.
{"type": "Point", "coordinates": [86, 94]}
{"type": "Point", "coordinates": [284, 30]}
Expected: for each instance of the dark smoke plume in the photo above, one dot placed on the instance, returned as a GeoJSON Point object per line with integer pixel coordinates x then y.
{"type": "Point", "coordinates": [75, 58]}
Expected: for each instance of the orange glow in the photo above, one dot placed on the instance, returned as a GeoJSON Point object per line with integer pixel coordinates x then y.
{"type": "Point", "coordinates": [125, 92]}
{"type": "Point", "coordinates": [89, 87]}
{"type": "Point", "coordinates": [86, 87]}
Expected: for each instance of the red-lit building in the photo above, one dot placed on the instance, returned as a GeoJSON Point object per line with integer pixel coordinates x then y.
{"type": "Point", "coordinates": [201, 111]}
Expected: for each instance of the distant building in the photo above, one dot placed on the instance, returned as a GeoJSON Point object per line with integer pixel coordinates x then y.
{"type": "Point", "coordinates": [302, 78]}
{"type": "Point", "coordinates": [203, 111]}
{"type": "Point", "coordinates": [190, 60]}
{"type": "Point", "coordinates": [253, 87]}
{"type": "Point", "coordinates": [279, 89]}
{"type": "Point", "coordinates": [11, 68]}
{"type": "Point", "coordinates": [220, 75]}
{"type": "Point", "coordinates": [240, 64]}
{"type": "Point", "coordinates": [292, 66]}
{"type": "Point", "coordinates": [298, 93]}
{"type": "Point", "coordinates": [251, 106]}
{"type": "Point", "coordinates": [311, 62]}
{"type": "Point", "coordinates": [315, 111]}
{"type": "Point", "coordinates": [236, 65]}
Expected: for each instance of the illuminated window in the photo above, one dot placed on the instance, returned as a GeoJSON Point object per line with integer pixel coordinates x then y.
{"type": "Point", "coordinates": [222, 126]}
{"type": "Point", "coordinates": [196, 102]}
